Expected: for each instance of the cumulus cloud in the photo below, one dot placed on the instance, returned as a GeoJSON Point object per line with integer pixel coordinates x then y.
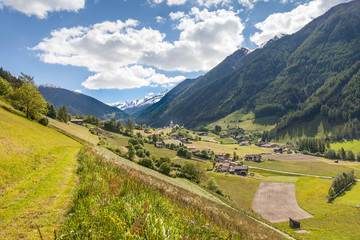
{"type": "Point", "coordinates": [160, 19]}
{"type": "Point", "coordinates": [41, 8]}
{"type": "Point", "coordinates": [210, 3]}
{"type": "Point", "coordinates": [122, 55]}
{"type": "Point", "coordinates": [175, 2]}
{"type": "Point", "coordinates": [206, 38]}
{"type": "Point", "coordinates": [293, 21]}
{"type": "Point", "coordinates": [129, 77]}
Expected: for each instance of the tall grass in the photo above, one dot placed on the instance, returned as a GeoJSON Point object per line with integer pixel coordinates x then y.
{"type": "Point", "coordinates": [114, 202]}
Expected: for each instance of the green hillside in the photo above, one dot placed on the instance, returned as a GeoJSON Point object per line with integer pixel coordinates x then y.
{"type": "Point", "coordinates": [289, 79]}
{"type": "Point", "coordinates": [37, 176]}
{"type": "Point", "coordinates": [80, 104]}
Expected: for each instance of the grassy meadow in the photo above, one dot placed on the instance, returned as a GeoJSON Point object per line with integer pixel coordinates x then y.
{"type": "Point", "coordinates": [241, 190]}
{"type": "Point", "coordinates": [353, 145]}
{"type": "Point", "coordinates": [37, 177]}
{"type": "Point", "coordinates": [247, 122]}
{"type": "Point", "coordinates": [228, 148]}
{"type": "Point", "coordinates": [75, 130]}
{"type": "Point", "coordinates": [118, 199]}
{"type": "Point", "coordinates": [313, 168]}
{"type": "Point", "coordinates": [336, 220]}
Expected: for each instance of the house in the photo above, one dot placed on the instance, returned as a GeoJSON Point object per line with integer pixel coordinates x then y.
{"type": "Point", "coordinates": [159, 144]}
{"type": "Point", "coordinates": [202, 134]}
{"type": "Point", "coordinates": [245, 143]}
{"type": "Point", "coordinates": [278, 150]}
{"type": "Point", "coordinates": [222, 166]}
{"type": "Point", "coordinates": [241, 170]}
{"type": "Point", "coordinates": [269, 145]}
{"type": "Point", "coordinates": [239, 138]}
{"type": "Point", "coordinates": [225, 167]}
{"type": "Point", "coordinates": [294, 223]}
{"type": "Point", "coordinates": [77, 121]}
{"type": "Point", "coordinates": [224, 135]}
{"type": "Point", "coordinates": [185, 140]}
{"type": "Point", "coordinates": [192, 148]}
{"type": "Point", "coordinates": [253, 158]}
{"type": "Point", "coordinates": [222, 156]}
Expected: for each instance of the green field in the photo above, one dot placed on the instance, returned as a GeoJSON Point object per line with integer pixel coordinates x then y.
{"type": "Point", "coordinates": [37, 177]}
{"type": "Point", "coordinates": [353, 145]}
{"type": "Point", "coordinates": [228, 148]}
{"type": "Point", "coordinates": [248, 124]}
{"type": "Point", "coordinates": [240, 189]}
{"type": "Point", "coordinates": [75, 130]}
{"type": "Point", "coordinates": [331, 220]}
{"type": "Point", "coordinates": [313, 168]}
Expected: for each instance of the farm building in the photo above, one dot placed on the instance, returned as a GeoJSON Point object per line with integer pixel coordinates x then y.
{"type": "Point", "coordinates": [222, 156]}
{"type": "Point", "coordinates": [278, 150]}
{"type": "Point", "coordinates": [224, 135]}
{"type": "Point", "coordinates": [77, 121]}
{"type": "Point", "coordinates": [294, 223]}
{"type": "Point", "coordinates": [269, 145]}
{"type": "Point", "coordinates": [159, 144]}
{"type": "Point", "coordinates": [244, 143]}
{"type": "Point", "coordinates": [241, 170]}
{"type": "Point", "coordinates": [202, 133]}
{"type": "Point", "coordinates": [222, 166]}
{"type": "Point", "coordinates": [192, 148]}
{"type": "Point", "coordinates": [253, 158]}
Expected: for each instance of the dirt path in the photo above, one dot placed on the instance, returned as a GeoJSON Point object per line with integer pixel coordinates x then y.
{"type": "Point", "coordinates": [276, 202]}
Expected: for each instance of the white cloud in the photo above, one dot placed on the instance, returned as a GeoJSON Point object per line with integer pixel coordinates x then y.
{"type": "Point", "coordinates": [41, 8]}
{"type": "Point", "coordinates": [160, 19]}
{"type": "Point", "coordinates": [122, 55]}
{"type": "Point", "coordinates": [291, 22]}
{"type": "Point", "coordinates": [176, 15]}
{"type": "Point", "coordinates": [250, 3]}
{"type": "Point", "coordinates": [77, 91]}
{"type": "Point", "coordinates": [175, 2]}
{"type": "Point", "coordinates": [206, 38]}
{"type": "Point", "coordinates": [150, 94]}
{"type": "Point", "coordinates": [210, 3]}
{"type": "Point", "coordinates": [129, 77]}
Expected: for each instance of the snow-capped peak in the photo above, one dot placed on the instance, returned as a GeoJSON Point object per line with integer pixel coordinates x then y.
{"type": "Point", "coordinates": [147, 100]}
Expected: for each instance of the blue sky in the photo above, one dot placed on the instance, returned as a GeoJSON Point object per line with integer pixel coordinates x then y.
{"type": "Point", "coordinates": [118, 50]}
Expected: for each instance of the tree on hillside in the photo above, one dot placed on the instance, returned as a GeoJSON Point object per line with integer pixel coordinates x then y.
{"type": "Point", "coordinates": [51, 111]}
{"type": "Point", "coordinates": [5, 87]}
{"type": "Point", "coordinates": [212, 185]}
{"type": "Point", "coordinates": [63, 114]}
{"type": "Point", "coordinates": [29, 98]}
{"type": "Point", "coordinates": [131, 152]}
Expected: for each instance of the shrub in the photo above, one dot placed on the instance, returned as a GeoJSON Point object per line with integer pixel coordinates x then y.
{"type": "Point", "coordinates": [165, 168]}
{"type": "Point", "coordinates": [43, 121]}
{"type": "Point", "coordinates": [147, 162]}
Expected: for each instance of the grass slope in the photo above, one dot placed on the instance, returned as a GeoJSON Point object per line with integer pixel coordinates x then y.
{"type": "Point", "coordinates": [247, 122]}
{"type": "Point", "coordinates": [353, 145]}
{"type": "Point", "coordinates": [118, 199]}
{"type": "Point", "coordinates": [37, 176]}
{"type": "Point", "coordinates": [313, 168]}
{"type": "Point", "coordinates": [75, 130]}
{"type": "Point", "coordinates": [331, 220]}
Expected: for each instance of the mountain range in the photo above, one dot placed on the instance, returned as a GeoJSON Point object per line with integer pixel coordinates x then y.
{"type": "Point", "coordinates": [135, 107]}
{"type": "Point", "coordinates": [79, 104]}
{"type": "Point", "coordinates": [291, 78]}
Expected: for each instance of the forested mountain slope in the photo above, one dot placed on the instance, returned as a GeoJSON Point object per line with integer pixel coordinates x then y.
{"type": "Point", "coordinates": [278, 79]}
{"type": "Point", "coordinates": [80, 104]}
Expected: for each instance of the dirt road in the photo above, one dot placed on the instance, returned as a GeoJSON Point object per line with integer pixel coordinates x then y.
{"type": "Point", "coordinates": [276, 202]}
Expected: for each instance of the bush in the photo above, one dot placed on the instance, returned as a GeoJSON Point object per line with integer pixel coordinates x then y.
{"type": "Point", "coordinates": [43, 121]}
{"type": "Point", "coordinates": [147, 162]}
{"type": "Point", "coordinates": [165, 168]}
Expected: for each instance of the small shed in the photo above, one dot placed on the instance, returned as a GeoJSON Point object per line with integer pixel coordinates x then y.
{"type": "Point", "coordinates": [159, 144]}
{"type": "Point", "coordinates": [294, 223]}
{"type": "Point", "coordinates": [241, 170]}
{"type": "Point", "coordinates": [77, 121]}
